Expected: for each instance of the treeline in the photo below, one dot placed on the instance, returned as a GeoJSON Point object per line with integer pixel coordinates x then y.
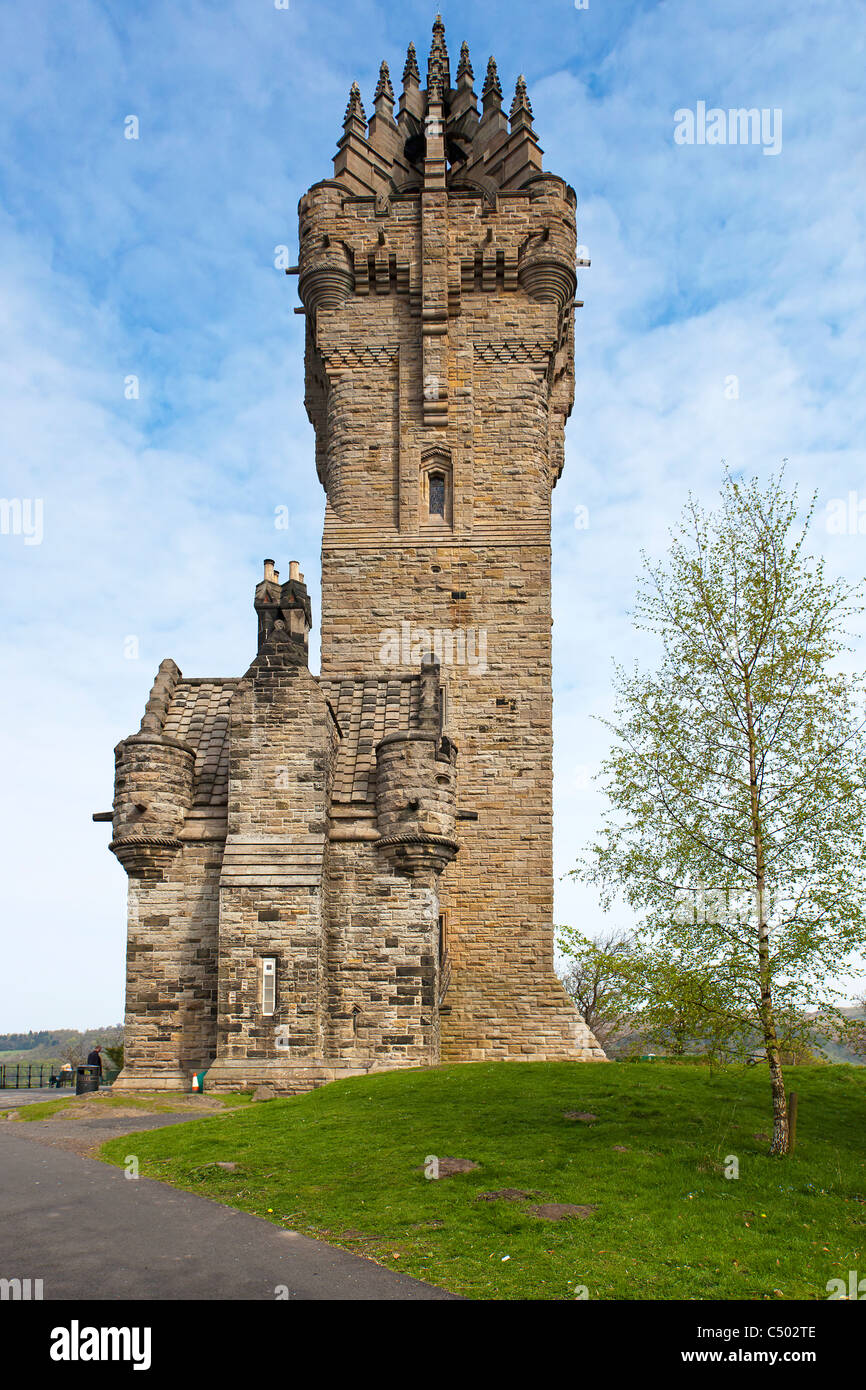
{"type": "Point", "coordinates": [51, 1044]}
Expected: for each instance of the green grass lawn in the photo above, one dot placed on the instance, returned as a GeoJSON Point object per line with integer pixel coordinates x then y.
{"type": "Point", "coordinates": [346, 1163]}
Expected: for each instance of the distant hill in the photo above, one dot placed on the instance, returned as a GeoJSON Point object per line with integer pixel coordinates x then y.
{"type": "Point", "coordinates": [630, 1043]}
{"type": "Point", "coordinates": [836, 1051]}
{"type": "Point", "coordinates": [52, 1044]}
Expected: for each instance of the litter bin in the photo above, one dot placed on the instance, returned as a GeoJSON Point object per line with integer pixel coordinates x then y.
{"type": "Point", "coordinates": [86, 1079]}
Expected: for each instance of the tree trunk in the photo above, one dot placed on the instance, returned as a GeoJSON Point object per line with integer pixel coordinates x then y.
{"type": "Point", "coordinates": [780, 1142]}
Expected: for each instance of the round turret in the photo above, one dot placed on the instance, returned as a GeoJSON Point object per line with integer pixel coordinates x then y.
{"type": "Point", "coordinates": [415, 799]}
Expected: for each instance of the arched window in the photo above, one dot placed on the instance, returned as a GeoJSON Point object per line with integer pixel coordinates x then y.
{"type": "Point", "coordinates": [436, 488]}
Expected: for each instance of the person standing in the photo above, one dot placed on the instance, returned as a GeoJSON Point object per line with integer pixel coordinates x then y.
{"type": "Point", "coordinates": [94, 1059]}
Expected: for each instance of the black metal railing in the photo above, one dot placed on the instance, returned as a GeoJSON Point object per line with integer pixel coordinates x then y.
{"type": "Point", "coordinates": [26, 1076]}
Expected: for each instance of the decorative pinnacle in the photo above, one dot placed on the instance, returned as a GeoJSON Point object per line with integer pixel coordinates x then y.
{"type": "Point", "coordinates": [464, 67]}
{"type": "Point", "coordinates": [355, 108]}
{"type": "Point", "coordinates": [521, 100]}
{"type": "Point", "coordinates": [438, 60]}
{"type": "Point", "coordinates": [411, 70]}
{"type": "Point", "coordinates": [491, 82]}
{"type": "Point", "coordinates": [383, 87]}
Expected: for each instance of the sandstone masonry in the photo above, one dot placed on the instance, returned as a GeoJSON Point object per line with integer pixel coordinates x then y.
{"type": "Point", "coordinates": [320, 883]}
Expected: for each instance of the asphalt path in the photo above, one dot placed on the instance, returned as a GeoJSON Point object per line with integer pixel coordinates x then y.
{"type": "Point", "coordinates": [90, 1233]}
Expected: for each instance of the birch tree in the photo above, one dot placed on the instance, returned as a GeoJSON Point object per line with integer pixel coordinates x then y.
{"type": "Point", "coordinates": [736, 778]}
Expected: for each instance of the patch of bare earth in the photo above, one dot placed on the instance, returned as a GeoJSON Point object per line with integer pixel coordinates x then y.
{"type": "Point", "coordinates": [87, 1123]}
{"type": "Point", "coordinates": [562, 1211]}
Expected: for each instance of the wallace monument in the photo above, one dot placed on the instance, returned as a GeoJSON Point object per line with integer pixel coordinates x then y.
{"type": "Point", "coordinates": [353, 871]}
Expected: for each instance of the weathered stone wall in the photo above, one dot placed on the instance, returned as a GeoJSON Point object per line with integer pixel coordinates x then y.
{"type": "Point", "coordinates": [171, 970]}
{"type": "Point", "coordinates": [274, 875]}
{"type": "Point", "coordinates": [481, 576]}
{"type": "Point", "coordinates": [382, 965]}
{"type": "Point", "coordinates": [439, 358]}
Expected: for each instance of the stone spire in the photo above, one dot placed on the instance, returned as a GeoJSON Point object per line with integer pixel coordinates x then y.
{"type": "Point", "coordinates": [493, 117]}
{"type": "Point", "coordinates": [434, 123]}
{"type": "Point", "coordinates": [521, 111]}
{"type": "Point", "coordinates": [463, 101]}
{"type": "Point", "coordinates": [464, 67]}
{"type": "Point", "coordinates": [355, 117]}
{"type": "Point", "coordinates": [384, 90]}
{"type": "Point", "coordinates": [383, 134]}
{"type": "Point", "coordinates": [521, 154]}
{"type": "Point", "coordinates": [491, 92]}
{"type": "Point", "coordinates": [412, 100]}
{"type": "Point", "coordinates": [352, 163]}
{"type": "Point", "coordinates": [437, 63]}
{"type": "Point", "coordinates": [411, 72]}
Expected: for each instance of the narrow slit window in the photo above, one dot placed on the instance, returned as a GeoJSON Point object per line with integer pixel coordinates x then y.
{"type": "Point", "coordinates": [437, 494]}
{"type": "Point", "coordinates": [443, 937]}
{"type": "Point", "coordinates": [269, 985]}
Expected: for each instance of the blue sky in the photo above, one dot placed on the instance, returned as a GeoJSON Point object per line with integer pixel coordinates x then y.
{"type": "Point", "coordinates": [155, 258]}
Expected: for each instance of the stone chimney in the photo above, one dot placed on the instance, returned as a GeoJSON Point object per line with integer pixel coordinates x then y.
{"type": "Point", "coordinates": [283, 609]}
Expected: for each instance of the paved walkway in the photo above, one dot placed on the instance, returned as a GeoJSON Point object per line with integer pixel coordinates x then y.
{"type": "Point", "coordinates": [89, 1232]}
{"type": "Point", "coordinates": [10, 1099]}
{"type": "Point", "coordinates": [85, 1125]}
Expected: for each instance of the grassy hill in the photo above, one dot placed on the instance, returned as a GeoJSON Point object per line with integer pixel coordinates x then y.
{"type": "Point", "coordinates": [346, 1163]}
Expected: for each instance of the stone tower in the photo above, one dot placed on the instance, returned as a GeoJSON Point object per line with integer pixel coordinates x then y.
{"type": "Point", "coordinates": [437, 275]}
{"type": "Point", "coordinates": [353, 871]}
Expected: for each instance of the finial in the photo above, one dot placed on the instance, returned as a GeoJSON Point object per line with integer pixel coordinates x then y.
{"type": "Point", "coordinates": [438, 60]}
{"type": "Point", "coordinates": [411, 70]}
{"type": "Point", "coordinates": [355, 108]}
{"type": "Point", "coordinates": [491, 82]}
{"type": "Point", "coordinates": [383, 87]}
{"type": "Point", "coordinates": [521, 100]}
{"type": "Point", "coordinates": [464, 67]}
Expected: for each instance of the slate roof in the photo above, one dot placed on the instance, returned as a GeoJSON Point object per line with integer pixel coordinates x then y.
{"type": "Point", "coordinates": [366, 710]}
{"type": "Point", "coordinates": [199, 715]}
